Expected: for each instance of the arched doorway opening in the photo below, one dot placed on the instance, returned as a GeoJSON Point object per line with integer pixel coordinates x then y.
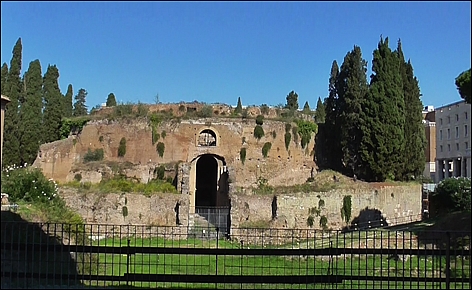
{"type": "Point", "coordinates": [206, 181]}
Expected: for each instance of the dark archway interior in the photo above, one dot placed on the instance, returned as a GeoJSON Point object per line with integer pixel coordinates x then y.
{"type": "Point", "coordinates": [206, 184]}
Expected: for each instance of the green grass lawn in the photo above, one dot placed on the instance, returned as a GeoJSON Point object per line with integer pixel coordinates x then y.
{"type": "Point", "coordinates": [411, 270]}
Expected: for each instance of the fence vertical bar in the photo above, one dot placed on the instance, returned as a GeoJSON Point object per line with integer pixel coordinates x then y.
{"type": "Point", "coordinates": [216, 255]}
{"type": "Point", "coordinates": [127, 262]}
{"type": "Point", "coordinates": [448, 260]}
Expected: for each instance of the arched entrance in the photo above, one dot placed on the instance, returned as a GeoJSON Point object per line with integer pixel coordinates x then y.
{"type": "Point", "coordinates": [206, 181]}
{"type": "Point", "coordinates": [209, 192]}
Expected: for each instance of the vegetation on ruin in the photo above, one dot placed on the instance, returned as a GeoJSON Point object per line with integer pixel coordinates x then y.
{"type": "Point", "coordinates": [242, 155]}
{"type": "Point", "coordinates": [266, 149]}
{"type": "Point", "coordinates": [95, 155]}
{"type": "Point", "coordinates": [160, 148]}
{"type": "Point", "coordinates": [122, 147]}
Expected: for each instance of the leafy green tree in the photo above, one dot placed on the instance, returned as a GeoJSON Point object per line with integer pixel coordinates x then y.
{"type": "Point", "coordinates": [306, 108]}
{"type": "Point", "coordinates": [415, 139]}
{"type": "Point", "coordinates": [464, 86]}
{"type": "Point", "coordinates": [68, 102]}
{"type": "Point", "coordinates": [53, 105]}
{"type": "Point", "coordinates": [80, 109]}
{"type": "Point", "coordinates": [4, 78]}
{"type": "Point", "coordinates": [239, 107]}
{"type": "Point", "coordinates": [31, 113]}
{"type": "Point", "coordinates": [13, 90]}
{"type": "Point", "coordinates": [111, 100]}
{"type": "Point", "coordinates": [383, 121]}
{"type": "Point", "coordinates": [292, 101]}
{"type": "Point", "coordinates": [352, 88]}
{"type": "Point", "coordinates": [320, 114]}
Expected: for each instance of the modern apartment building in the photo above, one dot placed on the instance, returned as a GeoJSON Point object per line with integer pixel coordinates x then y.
{"type": "Point", "coordinates": [430, 150]}
{"type": "Point", "coordinates": [453, 158]}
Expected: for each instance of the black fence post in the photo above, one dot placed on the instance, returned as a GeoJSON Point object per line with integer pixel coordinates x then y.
{"type": "Point", "coordinates": [448, 261]}
{"type": "Point", "coordinates": [216, 255]}
{"type": "Point", "coordinates": [127, 262]}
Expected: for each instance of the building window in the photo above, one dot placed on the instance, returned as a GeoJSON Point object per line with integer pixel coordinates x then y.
{"type": "Point", "coordinates": [440, 121]}
{"type": "Point", "coordinates": [448, 134]}
{"type": "Point", "coordinates": [466, 145]}
{"type": "Point", "coordinates": [449, 147]}
{"type": "Point", "coordinates": [465, 115]}
{"type": "Point", "coordinates": [441, 148]}
{"type": "Point", "coordinates": [449, 119]}
{"type": "Point", "coordinates": [466, 131]}
{"type": "Point", "coordinates": [457, 146]}
{"type": "Point", "coordinates": [457, 132]}
{"type": "Point", "coordinates": [440, 134]}
{"type": "Point", "coordinates": [457, 117]}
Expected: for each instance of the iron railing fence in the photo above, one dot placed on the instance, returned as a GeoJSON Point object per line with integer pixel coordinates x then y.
{"type": "Point", "coordinates": [97, 256]}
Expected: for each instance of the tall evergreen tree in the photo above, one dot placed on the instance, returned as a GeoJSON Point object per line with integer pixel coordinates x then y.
{"type": "Point", "coordinates": [331, 148]}
{"type": "Point", "coordinates": [414, 135]}
{"type": "Point", "coordinates": [80, 109]}
{"type": "Point", "coordinates": [292, 101]}
{"type": "Point", "coordinates": [383, 118]}
{"type": "Point", "coordinates": [352, 87]}
{"type": "Point", "coordinates": [31, 113]}
{"type": "Point", "coordinates": [13, 90]}
{"type": "Point", "coordinates": [53, 105]}
{"type": "Point", "coordinates": [239, 107]}
{"type": "Point", "coordinates": [4, 78]}
{"type": "Point", "coordinates": [320, 113]}
{"type": "Point", "coordinates": [111, 100]}
{"type": "Point", "coordinates": [306, 108]}
{"type": "Point", "coordinates": [68, 101]}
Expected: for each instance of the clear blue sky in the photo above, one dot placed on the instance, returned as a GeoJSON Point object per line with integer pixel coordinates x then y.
{"type": "Point", "coordinates": [218, 51]}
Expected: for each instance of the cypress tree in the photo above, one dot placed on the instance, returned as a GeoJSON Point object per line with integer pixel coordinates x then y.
{"type": "Point", "coordinates": [306, 108]}
{"type": "Point", "coordinates": [79, 106]}
{"type": "Point", "coordinates": [352, 88]}
{"type": "Point", "coordinates": [4, 78]}
{"type": "Point", "coordinates": [320, 113]}
{"type": "Point", "coordinates": [383, 118]}
{"type": "Point", "coordinates": [111, 100]}
{"type": "Point", "coordinates": [68, 102]}
{"type": "Point", "coordinates": [13, 90]}
{"type": "Point", "coordinates": [414, 135]}
{"type": "Point", "coordinates": [331, 148]}
{"type": "Point", "coordinates": [239, 107]}
{"type": "Point", "coordinates": [53, 105]}
{"type": "Point", "coordinates": [31, 113]}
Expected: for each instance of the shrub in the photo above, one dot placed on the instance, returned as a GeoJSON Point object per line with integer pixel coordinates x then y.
{"type": "Point", "coordinates": [182, 108]}
{"type": "Point", "coordinates": [264, 109]}
{"type": "Point", "coordinates": [310, 221]}
{"type": "Point", "coordinates": [205, 112]}
{"type": "Point", "coordinates": [122, 147]}
{"type": "Point", "coordinates": [244, 114]}
{"type": "Point", "coordinates": [159, 172]}
{"type": "Point", "coordinates": [295, 134]}
{"type": "Point", "coordinates": [163, 134]}
{"type": "Point", "coordinates": [324, 222]}
{"type": "Point", "coordinates": [258, 132]}
{"type": "Point", "coordinates": [452, 194]}
{"type": "Point", "coordinates": [288, 126]}
{"type": "Point", "coordinates": [160, 148]}
{"type": "Point", "coordinates": [346, 209]}
{"type": "Point", "coordinates": [27, 184]}
{"type": "Point", "coordinates": [242, 155]}
{"type": "Point", "coordinates": [96, 155]}
{"type": "Point", "coordinates": [266, 148]}
{"type": "Point", "coordinates": [100, 138]}
{"type": "Point", "coordinates": [78, 177]}
{"type": "Point", "coordinates": [260, 120]}
{"type": "Point", "coordinates": [288, 138]}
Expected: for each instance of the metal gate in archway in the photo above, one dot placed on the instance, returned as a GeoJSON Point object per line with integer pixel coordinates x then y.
{"type": "Point", "coordinates": [210, 222]}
